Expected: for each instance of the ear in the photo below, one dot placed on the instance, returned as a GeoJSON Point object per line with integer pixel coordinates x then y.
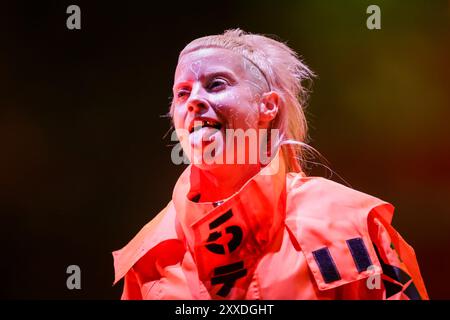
{"type": "Point", "coordinates": [268, 107]}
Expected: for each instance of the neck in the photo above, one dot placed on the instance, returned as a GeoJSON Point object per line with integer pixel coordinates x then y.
{"type": "Point", "coordinates": [221, 183]}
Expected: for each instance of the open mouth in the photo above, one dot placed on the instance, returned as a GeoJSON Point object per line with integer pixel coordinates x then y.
{"type": "Point", "coordinates": [199, 123]}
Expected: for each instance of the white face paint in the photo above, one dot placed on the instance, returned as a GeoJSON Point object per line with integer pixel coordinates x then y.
{"type": "Point", "coordinates": [195, 68]}
{"type": "Point", "coordinates": [220, 86]}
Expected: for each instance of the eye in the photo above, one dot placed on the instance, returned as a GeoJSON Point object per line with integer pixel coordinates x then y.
{"type": "Point", "coordinates": [182, 93]}
{"type": "Point", "coordinates": [217, 84]}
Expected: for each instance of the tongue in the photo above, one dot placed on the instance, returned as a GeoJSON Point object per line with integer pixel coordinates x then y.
{"type": "Point", "coordinates": [200, 135]}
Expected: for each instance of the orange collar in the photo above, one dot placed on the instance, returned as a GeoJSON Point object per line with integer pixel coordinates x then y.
{"type": "Point", "coordinates": [235, 232]}
{"type": "Point", "coordinates": [262, 197]}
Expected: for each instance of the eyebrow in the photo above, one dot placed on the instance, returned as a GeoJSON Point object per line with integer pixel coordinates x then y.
{"type": "Point", "coordinates": [227, 74]}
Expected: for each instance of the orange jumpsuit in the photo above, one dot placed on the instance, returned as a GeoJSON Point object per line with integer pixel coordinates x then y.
{"type": "Point", "coordinates": [281, 236]}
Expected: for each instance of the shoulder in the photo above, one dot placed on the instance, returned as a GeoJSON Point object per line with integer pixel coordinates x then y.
{"type": "Point", "coordinates": [346, 236]}
{"type": "Point", "coordinates": [317, 197]}
{"type": "Point", "coordinates": [331, 224]}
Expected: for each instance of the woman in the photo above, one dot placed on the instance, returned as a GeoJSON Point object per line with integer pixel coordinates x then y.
{"type": "Point", "coordinates": [245, 222]}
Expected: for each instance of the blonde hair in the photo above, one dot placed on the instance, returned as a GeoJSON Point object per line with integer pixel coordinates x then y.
{"type": "Point", "coordinates": [284, 72]}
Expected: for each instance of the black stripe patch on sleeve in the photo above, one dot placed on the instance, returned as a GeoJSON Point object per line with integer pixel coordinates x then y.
{"type": "Point", "coordinates": [412, 292]}
{"type": "Point", "coordinates": [359, 253]}
{"type": "Point", "coordinates": [326, 265]}
{"type": "Point", "coordinates": [391, 271]}
{"type": "Point", "coordinates": [396, 273]}
{"type": "Point", "coordinates": [391, 288]}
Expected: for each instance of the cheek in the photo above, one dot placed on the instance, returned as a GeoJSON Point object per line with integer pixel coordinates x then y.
{"type": "Point", "coordinates": [243, 117]}
{"type": "Point", "coordinates": [235, 102]}
{"type": "Point", "coordinates": [244, 107]}
{"type": "Point", "coordinates": [178, 118]}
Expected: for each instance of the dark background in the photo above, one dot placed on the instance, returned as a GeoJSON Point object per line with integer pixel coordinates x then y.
{"type": "Point", "coordinates": [83, 162]}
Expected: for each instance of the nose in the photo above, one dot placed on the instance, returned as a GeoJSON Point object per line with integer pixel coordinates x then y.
{"type": "Point", "coordinates": [197, 105]}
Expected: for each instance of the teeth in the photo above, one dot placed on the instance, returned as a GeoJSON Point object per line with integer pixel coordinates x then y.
{"type": "Point", "coordinates": [205, 123]}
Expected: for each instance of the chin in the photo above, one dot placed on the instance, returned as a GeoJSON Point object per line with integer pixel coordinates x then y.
{"type": "Point", "coordinates": [208, 156]}
{"type": "Point", "coordinates": [206, 161]}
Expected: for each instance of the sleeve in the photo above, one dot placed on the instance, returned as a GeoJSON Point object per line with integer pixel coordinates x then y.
{"type": "Point", "coordinates": [401, 278]}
